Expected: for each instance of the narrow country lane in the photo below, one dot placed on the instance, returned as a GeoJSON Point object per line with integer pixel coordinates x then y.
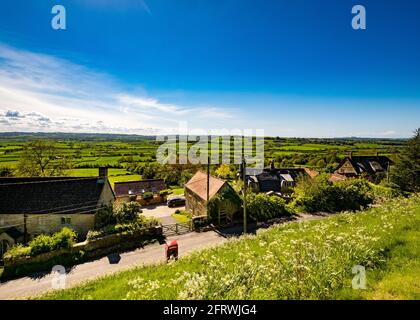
{"type": "Point", "coordinates": [31, 286]}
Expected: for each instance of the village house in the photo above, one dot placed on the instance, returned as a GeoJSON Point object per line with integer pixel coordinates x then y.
{"type": "Point", "coordinates": [196, 196]}
{"type": "Point", "coordinates": [276, 181]}
{"type": "Point", "coordinates": [366, 166]}
{"type": "Point", "coordinates": [38, 205]}
{"type": "Point", "coordinates": [136, 190]}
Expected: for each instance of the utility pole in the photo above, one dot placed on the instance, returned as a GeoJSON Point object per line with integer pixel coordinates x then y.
{"type": "Point", "coordinates": [25, 228]}
{"type": "Point", "coordinates": [208, 183]}
{"type": "Point", "coordinates": [244, 192]}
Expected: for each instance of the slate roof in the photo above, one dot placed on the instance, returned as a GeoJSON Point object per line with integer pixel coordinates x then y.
{"type": "Point", "coordinates": [51, 194]}
{"type": "Point", "coordinates": [14, 233]}
{"type": "Point", "coordinates": [139, 187]}
{"type": "Point", "coordinates": [198, 185]}
{"type": "Point", "coordinates": [270, 179]}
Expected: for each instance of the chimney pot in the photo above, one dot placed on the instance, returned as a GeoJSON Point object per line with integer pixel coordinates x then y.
{"type": "Point", "coordinates": [103, 172]}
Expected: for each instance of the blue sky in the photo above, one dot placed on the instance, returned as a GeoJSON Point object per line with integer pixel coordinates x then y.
{"type": "Point", "coordinates": [292, 68]}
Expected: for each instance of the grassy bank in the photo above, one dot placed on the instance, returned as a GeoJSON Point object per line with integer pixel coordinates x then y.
{"type": "Point", "coordinates": [306, 260]}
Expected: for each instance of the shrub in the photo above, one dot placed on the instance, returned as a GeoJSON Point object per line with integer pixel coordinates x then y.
{"type": "Point", "coordinates": [66, 238]}
{"type": "Point", "coordinates": [353, 194]}
{"type": "Point", "coordinates": [18, 250]}
{"type": "Point", "coordinates": [164, 192]}
{"type": "Point", "coordinates": [127, 212]}
{"type": "Point", "coordinates": [45, 243]}
{"type": "Point", "coordinates": [200, 222]}
{"type": "Point", "coordinates": [385, 191]}
{"type": "Point", "coordinates": [319, 194]}
{"type": "Point", "coordinates": [105, 216]}
{"type": "Point", "coordinates": [147, 195]}
{"type": "Point", "coordinates": [262, 207]}
{"type": "Point", "coordinates": [131, 227]}
{"type": "Point", "coordinates": [59, 240]}
{"type": "Point", "coordinates": [228, 199]}
{"type": "Point", "coordinates": [40, 244]}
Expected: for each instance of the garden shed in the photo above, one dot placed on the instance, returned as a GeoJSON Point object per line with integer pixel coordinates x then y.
{"type": "Point", "coordinates": [223, 200]}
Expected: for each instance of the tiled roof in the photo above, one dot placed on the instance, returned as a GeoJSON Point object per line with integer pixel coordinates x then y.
{"type": "Point", "coordinates": [198, 185]}
{"type": "Point", "coordinates": [50, 194]}
{"type": "Point", "coordinates": [369, 164]}
{"type": "Point", "coordinates": [336, 177]}
{"type": "Point", "coordinates": [139, 187]}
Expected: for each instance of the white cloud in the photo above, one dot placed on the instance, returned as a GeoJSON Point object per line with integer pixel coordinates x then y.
{"type": "Point", "coordinates": [69, 97]}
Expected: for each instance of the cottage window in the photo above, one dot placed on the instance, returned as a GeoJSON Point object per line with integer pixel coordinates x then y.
{"type": "Point", "coordinates": [42, 221]}
{"type": "Point", "coordinates": [65, 220]}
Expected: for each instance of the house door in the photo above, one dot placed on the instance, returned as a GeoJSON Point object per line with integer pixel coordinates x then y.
{"type": "Point", "coordinates": [222, 214]}
{"type": "Point", "coordinates": [4, 245]}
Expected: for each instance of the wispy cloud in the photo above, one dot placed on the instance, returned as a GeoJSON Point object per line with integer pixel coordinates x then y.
{"type": "Point", "coordinates": [47, 93]}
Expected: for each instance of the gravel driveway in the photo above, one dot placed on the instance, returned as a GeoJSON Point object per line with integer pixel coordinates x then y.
{"type": "Point", "coordinates": [161, 212]}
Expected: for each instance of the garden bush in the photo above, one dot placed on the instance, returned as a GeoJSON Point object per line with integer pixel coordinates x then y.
{"type": "Point", "coordinates": [18, 250]}
{"type": "Point", "coordinates": [263, 207]}
{"type": "Point", "coordinates": [65, 238]}
{"type": "Point", "coordinates": [130, 227]}
{"type": "Point", "coordinates": [105, 216]}
{"type": "Point", "coordinates": [353, 194]}
{"type": "Point", "coordinates": [319, 194]}
{"type": "Point", "coordinates": [127, 212]}
{"type": "Point", "coordinates": [148, 195]}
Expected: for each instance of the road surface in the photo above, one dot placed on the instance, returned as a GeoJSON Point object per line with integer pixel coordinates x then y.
{"type": "Point", "coordinates": [37, 284]}
{"type": "Point", "coordinates": [34, 285]}
{"type": "Point", "coordinates": [161, 212]}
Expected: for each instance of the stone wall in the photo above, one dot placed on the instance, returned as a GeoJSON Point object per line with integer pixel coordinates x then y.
{"type": "Point", "coordinates": [92, 248]}
{"type": "Point", "coordinates": [194, 204]}
{"type": "Point", "coordinates": [49, 223]}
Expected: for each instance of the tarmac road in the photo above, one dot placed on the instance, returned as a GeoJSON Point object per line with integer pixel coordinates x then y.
{"type": "Point", "coordinates": [42, 282]}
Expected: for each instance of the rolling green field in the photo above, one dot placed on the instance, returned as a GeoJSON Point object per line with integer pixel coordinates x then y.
{"type": "Point", "coordinates": [298, 260]}
{"type": "Point", "coordinates": [88, 152]}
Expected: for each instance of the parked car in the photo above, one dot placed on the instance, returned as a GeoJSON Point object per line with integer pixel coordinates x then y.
{"type": "Point", "coordinates": [176, 202]}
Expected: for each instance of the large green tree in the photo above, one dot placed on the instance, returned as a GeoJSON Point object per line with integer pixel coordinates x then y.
{"type": "Point", "coordinates": [40, 158]}
{"type": "Point", "coordinates": [406, 171]}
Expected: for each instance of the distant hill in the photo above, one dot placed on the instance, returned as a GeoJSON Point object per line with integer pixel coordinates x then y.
{"type": "Point", "coordinates": [72, 136]}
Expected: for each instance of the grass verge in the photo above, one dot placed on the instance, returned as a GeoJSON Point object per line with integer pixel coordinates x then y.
{"type": "Point", "coordinates": [305, 260]}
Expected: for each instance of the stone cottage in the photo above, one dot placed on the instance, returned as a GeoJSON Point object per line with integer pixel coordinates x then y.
{"type": "Point", "coordinates": [279, 181]}
{"type": "Point", "coordinates": [37, 205]}
{"type": "Point", "coordinates": [135, 191]}
{"type": "Point", "coordinates": [196, 196]}
{"type": "Point", "coordinates": [367, 166]}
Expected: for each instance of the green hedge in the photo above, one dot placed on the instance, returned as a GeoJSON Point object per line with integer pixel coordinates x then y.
{"type": "Point", "coordinates": [63, 239]}
{"type": "Point", "coordinates": [131, 228]}
{"type": "Point", "coordinates": [319, 194]}
{"type": "Point", "coordinates": [263, 207]}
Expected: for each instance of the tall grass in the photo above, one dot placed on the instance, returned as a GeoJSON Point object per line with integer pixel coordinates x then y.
{"type": "Point", "coordinates": [306, 260]}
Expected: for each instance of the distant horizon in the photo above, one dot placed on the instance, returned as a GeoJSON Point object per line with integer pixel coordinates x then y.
{"type": "Point", "coordinates": [163, 135]}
